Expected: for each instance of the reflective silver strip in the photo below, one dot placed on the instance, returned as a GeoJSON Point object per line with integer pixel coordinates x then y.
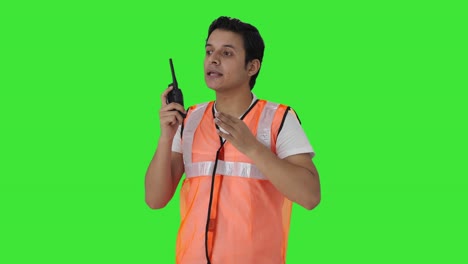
{"type": "Point", "coordinates": [264, 125]}
{"type": "Point", "coordinates": [189, 131]}
{"type": "Point", "coordinates": [226, 168]}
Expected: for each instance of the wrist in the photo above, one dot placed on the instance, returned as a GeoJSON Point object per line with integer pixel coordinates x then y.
{"type": "Point", "coordinates": [164, 140]}
{"type": "Point", "coordinates": [256, 150]}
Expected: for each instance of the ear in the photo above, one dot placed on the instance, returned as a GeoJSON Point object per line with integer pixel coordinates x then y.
{"type": "Point", "coordinates": [253, 67]}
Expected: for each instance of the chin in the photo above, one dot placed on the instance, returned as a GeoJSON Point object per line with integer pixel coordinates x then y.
{"type": "Point", "coordinates": [213, 86]}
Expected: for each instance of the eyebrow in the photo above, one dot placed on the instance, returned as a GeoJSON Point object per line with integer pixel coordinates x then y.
{"type": "Point", "coordinates": [226, 45]}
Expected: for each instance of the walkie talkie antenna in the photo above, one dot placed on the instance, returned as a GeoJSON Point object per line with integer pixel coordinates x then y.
{"type": "Point", "coordinates": [174, 80]}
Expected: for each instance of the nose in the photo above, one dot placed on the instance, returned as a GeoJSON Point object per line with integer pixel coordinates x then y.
{"type": "Point", "coordinates": [214, 59]}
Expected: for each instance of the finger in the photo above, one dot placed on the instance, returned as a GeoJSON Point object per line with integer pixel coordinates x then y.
{"type": "Point", "coordinates": [226, 126]}
{"type": "Point", "coordinates": [222, 119]}
{"type": "Point", "coordinates": [232, 124]}
{"type": "Point", "coordinates": [227, 118]}
{"type": "Point", "coordinates": [173, 106]}
{"type": "Point", "coordinates": [171, 121]}
{"type": "Point", "coordinates": [171, 115]}
{"type": "Point", "coordinates": [179, 117]}
{"type": "Point", "coordinates": [226, 136]}
{"type": "Point", "coordinates": [164, 95]}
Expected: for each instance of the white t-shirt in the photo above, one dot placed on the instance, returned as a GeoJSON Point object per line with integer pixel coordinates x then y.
{"type": "Point", "coordinates": [291, 139]}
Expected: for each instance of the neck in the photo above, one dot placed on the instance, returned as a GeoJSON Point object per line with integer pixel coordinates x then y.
{"type": "Point", "coordinates": [233, 103]}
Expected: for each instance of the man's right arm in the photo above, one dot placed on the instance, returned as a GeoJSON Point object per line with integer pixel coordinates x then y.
{"type": "Point", "coordinates": [166, 167]}
{"type": "Point", "coordinates": [163, 175]}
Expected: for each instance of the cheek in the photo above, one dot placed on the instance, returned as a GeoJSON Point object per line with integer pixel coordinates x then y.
{"type": "Point", "coordinates": [237, 69]}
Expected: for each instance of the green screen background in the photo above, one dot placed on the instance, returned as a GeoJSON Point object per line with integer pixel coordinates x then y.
{"type": "Point", "coordinates": [380, 87]}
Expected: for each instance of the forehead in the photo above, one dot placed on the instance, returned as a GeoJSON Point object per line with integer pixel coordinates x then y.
{"type": "Point", "coordinates": [219, 38]}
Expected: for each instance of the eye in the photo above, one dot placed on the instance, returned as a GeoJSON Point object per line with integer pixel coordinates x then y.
{"type": "Point", "coordinates": [209, 52]}
{"type": "Point", "coordinates": [227, 53]}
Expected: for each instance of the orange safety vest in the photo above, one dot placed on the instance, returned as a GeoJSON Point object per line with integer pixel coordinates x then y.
{"type": "Point", "coordinates": [249, 218]}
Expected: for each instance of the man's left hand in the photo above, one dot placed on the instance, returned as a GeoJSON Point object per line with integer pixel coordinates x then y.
{"type": "Point", "coordinates": [238, 134]}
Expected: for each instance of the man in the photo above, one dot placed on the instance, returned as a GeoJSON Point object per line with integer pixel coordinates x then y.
{"type": "Point", "coordinates": [245, 160]}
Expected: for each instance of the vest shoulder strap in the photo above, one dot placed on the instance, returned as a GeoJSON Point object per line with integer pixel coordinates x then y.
{"type": "Point", "coordinates": [190, 110]}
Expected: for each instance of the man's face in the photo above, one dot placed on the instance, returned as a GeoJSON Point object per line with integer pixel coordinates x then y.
{"type": "Point", "coordinates": [225, 61]}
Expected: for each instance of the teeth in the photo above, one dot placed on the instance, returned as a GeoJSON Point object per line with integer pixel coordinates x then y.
{"type": "Point", "coordinates": [214, 74]}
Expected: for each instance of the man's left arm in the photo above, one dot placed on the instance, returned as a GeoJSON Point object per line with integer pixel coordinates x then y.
{"type": "Point", "coordinates": [294, 176]}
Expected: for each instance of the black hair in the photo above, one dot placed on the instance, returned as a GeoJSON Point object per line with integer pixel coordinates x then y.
{"type": "Point", "coordinates": [253, 42]}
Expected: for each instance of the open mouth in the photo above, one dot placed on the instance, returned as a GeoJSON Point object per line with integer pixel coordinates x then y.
{"type": "Point", "coordinates": [214, 74]}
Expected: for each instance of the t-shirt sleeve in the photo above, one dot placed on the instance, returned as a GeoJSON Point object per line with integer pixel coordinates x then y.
{"type": "Point", "coordinates": [292, 139]}
{"type": "Point", "coordinates": [177, 141]}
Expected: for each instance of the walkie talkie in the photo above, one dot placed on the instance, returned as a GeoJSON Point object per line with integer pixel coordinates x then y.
{"type": "Point", "coordinates": [175, 95]}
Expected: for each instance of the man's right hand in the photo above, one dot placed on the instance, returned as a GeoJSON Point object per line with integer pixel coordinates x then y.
{"type": "Point", "coordinates": [169, 118]}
